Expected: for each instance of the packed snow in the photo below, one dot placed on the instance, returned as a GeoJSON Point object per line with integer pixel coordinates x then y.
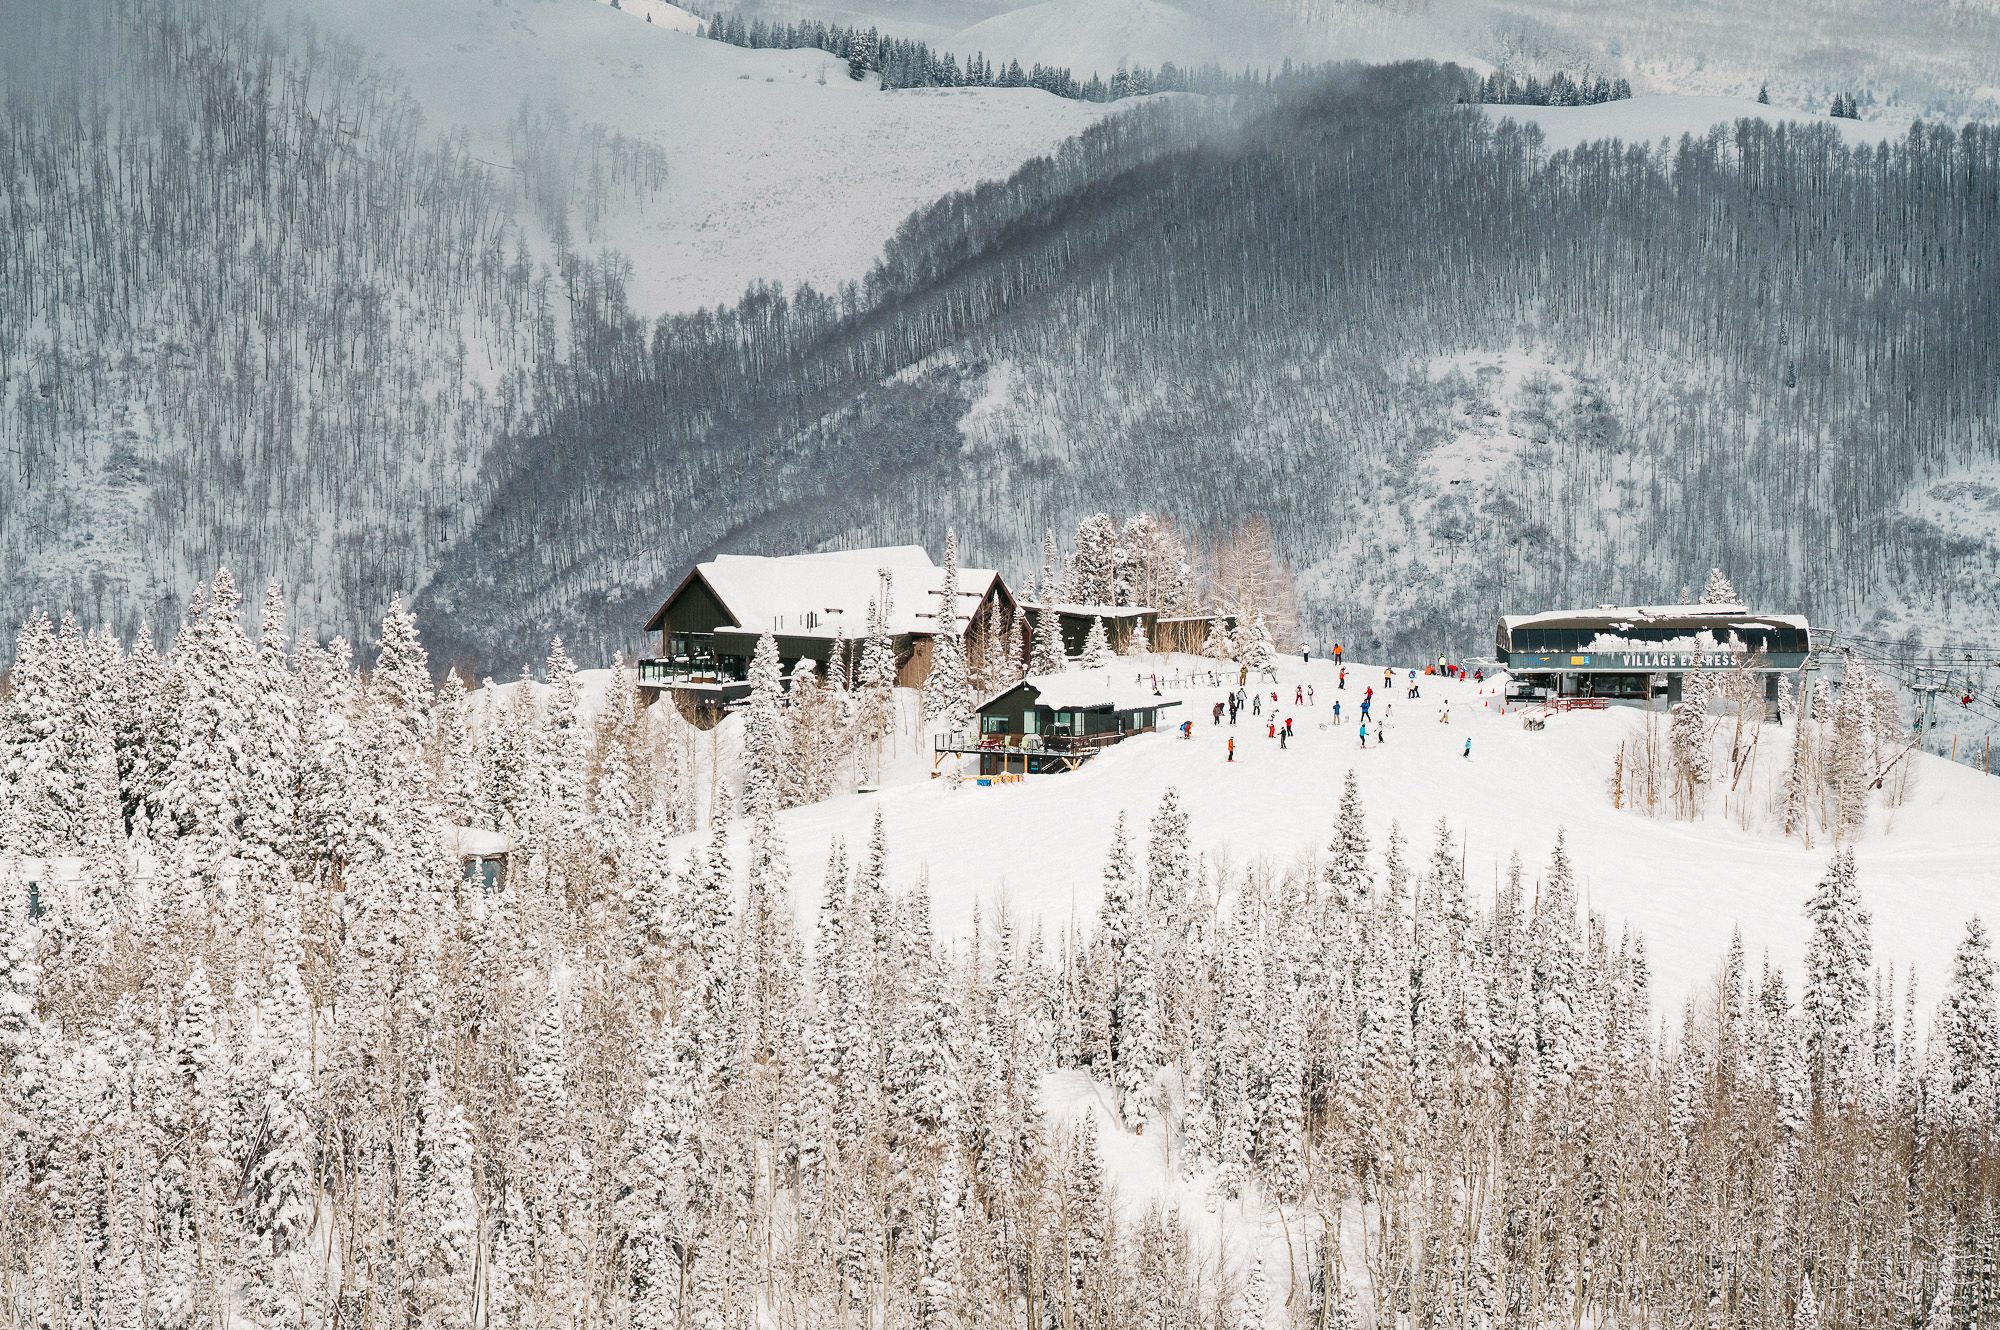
{"type": "Point", "coordinates": [1037, 846]}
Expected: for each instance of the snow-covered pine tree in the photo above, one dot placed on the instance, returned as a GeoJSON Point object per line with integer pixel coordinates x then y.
{"type": "Point", "coordinates": [657, 1214]}
{"type": "Point", "coordinates": [1094, 566]}
{"type": "Point", "coordinates": [1096, 646]}
{"type": "Point", "coordinates": [761, 780]}
{"type": "Point", "coordinates": [1218, 644]}
{"type": "Point", "coordinates": [948, 686]}
{"type": "Point", "coordinates": [1349, 884]}
{"type": "Point", "coordinates": [1718, 590]}
{"type": "Point", "coordinates": [562, 750]}
{"type": "Point", "coordinates": [1839, 952]}
{"type": "Point", "coordinates": [1255, 647]}
{"type": "Point", "coordinates": [1690, 754]}
{"type": "Point", "coordinates": [447, 1211]}
{"type": "Point", "coordinates": [1968, 1024]}
{"type": "Point", "coordinates": [1049, 655]}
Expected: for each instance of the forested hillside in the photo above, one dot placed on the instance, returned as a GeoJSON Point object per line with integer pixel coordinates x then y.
{"type": "Point", "coordinates": [1456, 373]}
{"type": "Point", "coordinates": [250, 309]}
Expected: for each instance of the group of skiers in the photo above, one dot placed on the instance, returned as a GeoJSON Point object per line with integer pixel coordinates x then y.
{"type": "Point", "coordinates": [1235, 703]}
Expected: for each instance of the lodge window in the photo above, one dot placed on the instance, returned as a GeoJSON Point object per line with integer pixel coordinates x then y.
{"type": "Point", "coordinates": [993, 725]}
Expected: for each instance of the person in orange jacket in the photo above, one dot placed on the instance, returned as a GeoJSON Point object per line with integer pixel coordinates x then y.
{"type": "Point", "coordinates": [1232, 748]}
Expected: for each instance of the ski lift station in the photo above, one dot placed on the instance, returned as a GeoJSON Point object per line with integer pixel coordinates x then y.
{"type": "Point", "coordinates": [1644, 653]}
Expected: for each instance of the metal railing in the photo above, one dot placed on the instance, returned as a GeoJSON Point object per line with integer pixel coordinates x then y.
{"type": "Point", "coordinates": [1028, 743]}
{"type": "Point", "coordinates": [680, 670]}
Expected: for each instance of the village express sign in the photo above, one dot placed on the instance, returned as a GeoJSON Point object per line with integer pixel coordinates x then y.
{"type": "Point", "coordinates": [1635, 661]}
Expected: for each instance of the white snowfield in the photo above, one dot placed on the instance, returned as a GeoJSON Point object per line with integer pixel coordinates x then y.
{"type": "Point", "coordinates": [780, 167]}
{"type": "Point", "coordinates": [1039, 846]}
{"type": "Point", "coordinates": [1651, 119]}
{"type": "Point", "coordinates": [1099, 36]}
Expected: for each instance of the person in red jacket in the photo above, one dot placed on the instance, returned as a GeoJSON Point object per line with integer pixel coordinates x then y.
{"type": "Point", "coordinates": [1232, 748]}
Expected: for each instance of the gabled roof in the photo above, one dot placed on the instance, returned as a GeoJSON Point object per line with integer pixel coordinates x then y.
{"type": "Point", "coordinates": [819, 595]}
{"type": "Point", "coordinates": [1116, 688]}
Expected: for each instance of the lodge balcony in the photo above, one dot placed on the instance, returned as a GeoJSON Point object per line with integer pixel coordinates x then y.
{"type": "Point", "coordinates": [1085, 744]}
{"type": "Point", "coordinates": [694, 675]}
{"type": "Point", "coordinates": [1012, 756]}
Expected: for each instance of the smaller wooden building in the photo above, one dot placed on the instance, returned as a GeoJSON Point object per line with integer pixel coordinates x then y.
{"type": "Point", "coordinates": [1057, 722]}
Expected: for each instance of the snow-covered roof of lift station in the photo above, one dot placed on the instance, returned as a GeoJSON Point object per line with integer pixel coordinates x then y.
{"type": "Point", "coordinates": [1117, 688]}
{"type": "Point", "coordinates": [1622, 616]}
{"type": "Point", "coordinates": [777, 593]}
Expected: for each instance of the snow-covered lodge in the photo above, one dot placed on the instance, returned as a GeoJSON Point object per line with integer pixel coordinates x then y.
{"type": "Point", "coordinates": [814, 605]}
{"type": "Point", "coordinates": [1645, 652]}
{"type": "Point", "coordinates": [1057, 722]}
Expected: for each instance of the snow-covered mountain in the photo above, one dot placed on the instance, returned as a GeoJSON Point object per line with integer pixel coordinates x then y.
{"type": "Point", "coordinates": [1930, 58]}
{"type": "Point", "coordinates": [778, 167]}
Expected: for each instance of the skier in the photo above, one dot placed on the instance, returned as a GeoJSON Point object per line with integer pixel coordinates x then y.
{"type": "Point", "coordinates": [1284, 738]}
{"type": "Point", "coordinates": [1232, 748]}
{"type": "Point", "coordinates": [1215, 714]}
{"type": "Point", "coordinates": [1187, 729]}
{"type": "Point", "coordinates": [1368, 694]}
{"type": "Point", "coordinates": [1468, 747]}
{"type": "Point", "coordinates": [1444, 716]}
{"type": "Point", "coordinates": [1309, 694]}
{"type": "Point", "coordinates": [1272, 732]}
{"type": "Point", "coordinates": [1299, 696]}
{"type": "Point", "coordinates": [1257, 704]}
{"type": "Point", "coordinates": [1388, 676]}
{"type": "Point", "coordinates": [1336, 711]}
{"type": "Point", "coordinates": [1364, 734]}
{"type": "Point", "coordinates": [1336, 653]}
{"type": "Point", "coordinates": [1242, 675]}
{"type": "Point", "coordinates": [1288, 727]}
{"type": "Point", "coordinates": [1365, 704]}
{"type": "Point", "coordinates": [1305, 655]}
{"type": "Point", "coordinates": [1343, 680]}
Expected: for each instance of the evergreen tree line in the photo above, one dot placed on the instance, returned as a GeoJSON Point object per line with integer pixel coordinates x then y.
{"type": "Point", "coordinates": [1559, 89]}
{"type": "Point", "coordinates": [901, 62]}
{"type": "Point", "coordinates": [1287, 299]}
{"type": "Point", "coordinates": [268, 1056]}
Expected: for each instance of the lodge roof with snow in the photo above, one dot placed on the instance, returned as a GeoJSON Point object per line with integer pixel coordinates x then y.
{"type": "Point", "coordinates": [1654, 629]}
{"type": "Point", "coordinates": [1111, 689]}
{"type": "Point", "coordinates": [827, 594]}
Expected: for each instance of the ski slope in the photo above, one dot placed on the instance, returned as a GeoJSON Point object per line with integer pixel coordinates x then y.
{"type": "Point", "coordinates": [1038, 846]}
{"type": "Point", "coordinates": [780, 167]}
